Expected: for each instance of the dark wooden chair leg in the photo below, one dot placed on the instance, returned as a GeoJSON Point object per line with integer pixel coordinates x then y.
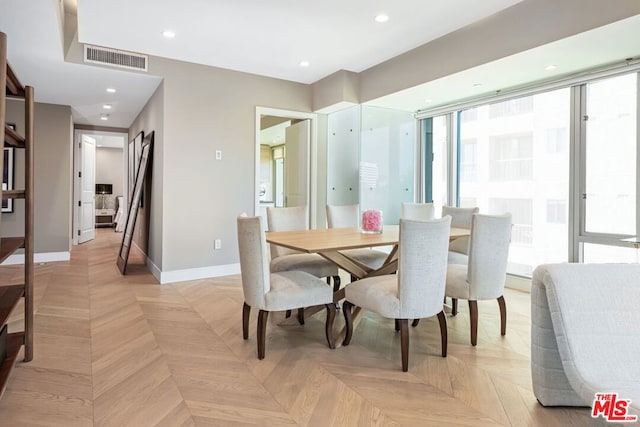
{"type": "Point", "coordinates": [348, 318]}
{"type": "Point", "coordinates": [404, 343]}
{"type": "Point", "coordinates": [473, 319]}
{"type": "Point", "coordinates": [415, 322]}
{"type": "Point", "coordinates": [442, 319]}
{"type": "Point", "coordinates": [397, 321]}
{"type": "Point", "coordinates": [503, 315]}
{"type": "Point", "coordinates": [331, 315]}
{"type": "Point", "coordinates": [288, 314]}
{"type": "Point", "coordinates": [262, 332]}
{"type": "Point", "coordinates": [301, 316]}
{"type": "Point", "coordinates": [454, 306]}
{"type": "Point", "coordinates": [246, 312]}
{"type": "Point", "coordinates": [336, 283]}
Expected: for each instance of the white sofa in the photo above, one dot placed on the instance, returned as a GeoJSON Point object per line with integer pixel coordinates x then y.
{"type": "Point", "coordinates": [585, 333]}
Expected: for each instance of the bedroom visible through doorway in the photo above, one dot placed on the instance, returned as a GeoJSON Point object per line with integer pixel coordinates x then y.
{"type": "Point", "coordinates": [100, 182]}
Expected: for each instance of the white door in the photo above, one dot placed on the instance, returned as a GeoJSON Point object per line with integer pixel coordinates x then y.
{"type": "Point", "coordinates": [86, 216]}
{"type": "Point", "coordinates": [296, 163]}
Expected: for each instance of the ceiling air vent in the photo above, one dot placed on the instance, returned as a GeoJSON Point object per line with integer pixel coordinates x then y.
{"type": "Point", "coordinates": [115, 58]}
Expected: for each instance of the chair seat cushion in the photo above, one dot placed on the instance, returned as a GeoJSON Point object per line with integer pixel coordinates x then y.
{"type": "Point", "coordinates": [457, 285]}
{"type": "Point", "coordinates": [457, 258]}
{"type": "Point", "coordinates": [369, 257]}
{"type": "Point", "coordinates": [460, 245]}
{"type": "Point", "coordinates": [313, 264]}
{"type": "Point", "coordinates": [378, 294]}
{"type": "Point", "coordinates": [295, 289]}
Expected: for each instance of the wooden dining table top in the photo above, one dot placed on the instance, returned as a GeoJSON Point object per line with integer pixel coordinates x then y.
{"type": "Point", "coordinates": [336, 239]}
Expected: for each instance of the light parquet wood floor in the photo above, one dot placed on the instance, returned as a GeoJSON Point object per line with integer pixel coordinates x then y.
{"type": "Point", "coordinates": [125, 351]}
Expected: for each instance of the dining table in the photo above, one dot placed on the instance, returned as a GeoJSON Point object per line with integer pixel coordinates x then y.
{"type": "Point", "coordinates": [333, 244]}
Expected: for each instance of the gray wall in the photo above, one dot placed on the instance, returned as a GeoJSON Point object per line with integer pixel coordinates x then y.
{"type": "Point", "coordinates": [53, 184]}
{"type": "Point", "coordinates": [149, 224]}
{"type": "Point", "coordinates": [109, 168]}
{"type": "Point", "coordinates": [209, 109]}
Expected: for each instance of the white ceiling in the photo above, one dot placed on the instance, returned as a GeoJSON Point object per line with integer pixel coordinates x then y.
{"type": "Point", "coordinates": [36, 55]}
{"type": "Point", "coordinates": [275, 134]}
{"type": "Point", "coordinates": [271, 38]}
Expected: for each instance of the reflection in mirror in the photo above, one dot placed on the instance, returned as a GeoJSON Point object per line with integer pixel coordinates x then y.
{"type": "Point", "coordinates": [283, 163]}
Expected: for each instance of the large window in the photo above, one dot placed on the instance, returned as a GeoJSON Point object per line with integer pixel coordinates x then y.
{"type": "Point", "coordinates": [435, 161]}
{"type": "Point", "coordinates": [511, 157]}
{"type": "Point", "coordinates": [564, 163]}
{"type": "Point", "coordinates": [610, 151]}
{"type": "Point", "coordinates": [514, 157]}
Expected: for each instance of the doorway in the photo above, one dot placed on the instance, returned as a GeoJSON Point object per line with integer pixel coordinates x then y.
{"type": "Point", "coordinates": [285, 172]}
{"type": "Point", "coordinates": [100, 184]}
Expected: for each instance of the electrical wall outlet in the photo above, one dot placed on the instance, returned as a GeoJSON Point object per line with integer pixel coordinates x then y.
{"type": "Point", "coordinates": [218, 154]}
{"type": "Point", "coordinates": [217, 244]}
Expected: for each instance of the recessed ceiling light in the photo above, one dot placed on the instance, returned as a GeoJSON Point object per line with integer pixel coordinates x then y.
{"type": "Point", "coordinates": [104, 117]}
{"type": "Point", "coordinates": [107, 106]}
{"type": "Point", "coordinates": [477, 84]}
{"type": "Point", "coordinates": [168, 34]}
{"type": "Point", "coordinates": [382, 18]}
{"type": "Point", "coordinates": [550, 67]}
{"type": "Point", "coordinates": [111, 90]}
{"type": "Point", "coordinates": [304, 63]}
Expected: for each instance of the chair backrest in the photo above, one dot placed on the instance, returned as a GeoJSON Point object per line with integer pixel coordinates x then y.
{"type": "Point", "coordinates": [460, 217]}
{"type": "Point", "coordinates": [488, 253]}
{"type": "Point", "coordinates": [422, 266]}
{"type": "Point", "coordinates": [343, 216]}
{"type": "Point", "coordinates": [286, 219]}
{"type": "Point", "coordinates": [418, 211]}
{"type": "Point", "coordinates": [254, 262]}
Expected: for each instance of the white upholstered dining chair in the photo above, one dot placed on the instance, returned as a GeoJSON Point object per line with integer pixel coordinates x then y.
{"type": "Point", "coordinates": [274, 291]}
{"type": "Point", "coordinates": [460, 218]}
{"type": "Point", "coordinates": [348, 216]}
{"type": "Point", "coordinates": [284, 259]}
{"type": "Point", "coordinates": [416, 291]}
{"type": "Point", "coordinates": [418, 211]}
{"type": "Point", "coordinates": [484, 276]}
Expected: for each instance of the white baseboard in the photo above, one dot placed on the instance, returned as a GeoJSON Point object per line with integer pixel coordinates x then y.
{"type": "Point", "coordinates": [518, 283]}
{"type": "Point", "coordinates": [38, 258]}
{"type": "Point", "coordinates": [194, 273]}
{"type": "Point", "coordinates": [154, 270]}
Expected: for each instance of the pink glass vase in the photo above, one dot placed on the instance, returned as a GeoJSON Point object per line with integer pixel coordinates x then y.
{"type": "Point", "coordinates": [371, 222]}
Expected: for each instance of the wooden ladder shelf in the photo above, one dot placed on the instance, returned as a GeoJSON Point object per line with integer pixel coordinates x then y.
{"type": "Point", "coordinates": [11, 342]}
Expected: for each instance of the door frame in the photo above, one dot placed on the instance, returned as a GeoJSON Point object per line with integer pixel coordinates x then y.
{"type": "Point", "coordinates": [76, 140]}
{"type": "Point", "coordinates": [312, 158]}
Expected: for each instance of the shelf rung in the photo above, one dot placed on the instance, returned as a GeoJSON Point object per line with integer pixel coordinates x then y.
{"type": "Point", "coordinates": [14, 87]}
{"type": "Point", "coordinates": [14, 342]}
{"type": "Point", "coordinates": [13, 138]}
{"type": "Point", "coordinates": [8, 245]}
{"type": "Point", "coordinates": [13, 194]}
{"type": "Point", "coordinates": [9, 297]}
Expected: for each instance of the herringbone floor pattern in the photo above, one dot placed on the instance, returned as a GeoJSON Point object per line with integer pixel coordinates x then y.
{"type": "Point", "coordinates": [125, 351]}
